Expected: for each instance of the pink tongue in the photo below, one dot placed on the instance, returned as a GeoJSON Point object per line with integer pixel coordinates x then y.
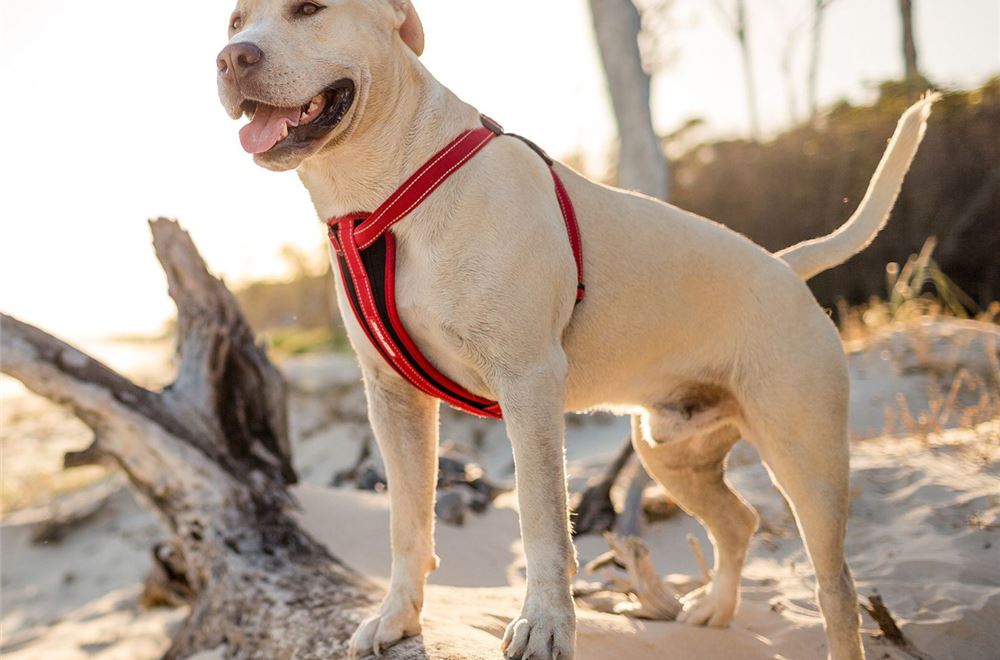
{"type": "Point", "coordinates": [264, 130]}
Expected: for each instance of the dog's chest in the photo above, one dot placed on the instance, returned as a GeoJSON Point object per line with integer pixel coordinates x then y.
{"type": "Point", "coordinates": [435, 297]}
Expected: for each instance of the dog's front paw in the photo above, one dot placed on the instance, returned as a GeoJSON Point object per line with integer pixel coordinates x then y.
{"type": "Point", "coordinates": [397, 619]}
{"type": "Point", "coordinates": [541, 633]}
{"type": "Point", "coordinates": [708, 606]}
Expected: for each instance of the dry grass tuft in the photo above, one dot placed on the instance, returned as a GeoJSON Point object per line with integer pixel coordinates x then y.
{"type": "Point", "coordinates": [918, 290]}
{"type": "Point", "coordinates": [963, 378]}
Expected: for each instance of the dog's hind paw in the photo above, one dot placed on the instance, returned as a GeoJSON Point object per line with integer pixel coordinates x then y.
{"type": "Point", "coordinates": [708, 607]}
{"type": "Point", "coordinates": [396, 621]}
{"type": "Point", "coordinates": [541, 634]}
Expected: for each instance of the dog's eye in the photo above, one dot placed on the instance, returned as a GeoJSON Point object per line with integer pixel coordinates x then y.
{"type": "Point", "coordinates": [308, 9]}
{"type": "Point", "coordinates": [235, 23]}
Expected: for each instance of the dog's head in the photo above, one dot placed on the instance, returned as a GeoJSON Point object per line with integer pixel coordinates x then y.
{"type": "Point", "coordinates": [302, 71]}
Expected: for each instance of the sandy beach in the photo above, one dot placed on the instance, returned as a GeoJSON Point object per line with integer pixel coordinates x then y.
{"type": "Point", "coordinates": [924, 529]}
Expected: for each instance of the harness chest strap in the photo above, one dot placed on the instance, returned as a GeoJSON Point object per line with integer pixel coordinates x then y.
{"type": "Point", "coordinates": [365, 248]}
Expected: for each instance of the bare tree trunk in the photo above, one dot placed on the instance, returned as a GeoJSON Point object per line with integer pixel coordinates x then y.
{"type": "Point", "coordinates": [912, 70]}
{"type": "Point", "coordinates": [748, 72]}
{"type": "Point", "coordinates": [642, 166]}
{"type": "Point", "coordinates": [819, 7]}
{"type": "Point", "coordinates": [788, 73]}
{"type": "Point", "coordinates": [641, 163]}
{"type": "Point", "coordinates": [211, 455]}
{"type": "Point", "coordinates": [737, 23]}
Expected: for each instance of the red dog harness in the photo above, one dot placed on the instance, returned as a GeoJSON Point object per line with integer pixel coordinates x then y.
{"type": "Point", "coordinates": [366, 256]}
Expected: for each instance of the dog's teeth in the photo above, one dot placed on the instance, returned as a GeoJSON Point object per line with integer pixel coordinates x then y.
{"type": "Point", "coordinates": [311, 109]}
{"type": "Point", "coordinates": [284, 132]}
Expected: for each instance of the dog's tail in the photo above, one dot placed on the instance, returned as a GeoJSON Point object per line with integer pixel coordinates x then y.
{"type": "Point", "coordinates": [810, 258]}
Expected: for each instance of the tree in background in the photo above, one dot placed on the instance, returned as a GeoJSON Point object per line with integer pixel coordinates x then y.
{"type": "Point", "coordinates": [819, 8]}
{"type": "Point", "coordinates": [735, 16]}
{"type": "Point", "coordinates": [625, 46]}
{"type": "Point", "coordinates": [641, 163]}
{"type": "Point", "coordinates": [788, 73]}
{"type": "Point", "coordinates": [912, 69]}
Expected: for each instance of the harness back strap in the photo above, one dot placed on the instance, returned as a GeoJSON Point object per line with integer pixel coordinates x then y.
{"type": "Point", "coordinates": [365, 247]}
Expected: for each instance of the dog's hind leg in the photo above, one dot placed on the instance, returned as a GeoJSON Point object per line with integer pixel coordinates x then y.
{"type": "Point", "coordinates": [405, 422]}
{"type": "Point", "coordinates": [691, 471]}
{"type": "Point", "coordinates": [807, 455]}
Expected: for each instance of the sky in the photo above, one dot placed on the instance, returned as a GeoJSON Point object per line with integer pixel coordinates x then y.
{"type": "Point", "coordinates": [111, 117]}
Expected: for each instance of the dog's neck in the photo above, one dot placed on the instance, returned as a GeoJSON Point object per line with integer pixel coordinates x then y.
{"type": "Point", "coordinates": [408, 117]}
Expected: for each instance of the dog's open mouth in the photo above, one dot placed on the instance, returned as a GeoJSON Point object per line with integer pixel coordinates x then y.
{"type": "Point", "coordinates": [271, 126]}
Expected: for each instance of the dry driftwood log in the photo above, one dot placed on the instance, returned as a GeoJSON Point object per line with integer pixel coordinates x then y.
{"type": "Point", "coordinates": [593, 512]}
{"type": "Point", "coordinates": [211, 454]}
{"type": "Point", "coordinates": [167, 584]}
{"type": "Point", "coordinates": [648, 596]}
{"type": "Point", "coordinates": [629, 521]}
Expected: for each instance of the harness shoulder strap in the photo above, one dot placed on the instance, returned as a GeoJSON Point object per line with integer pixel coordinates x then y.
{"type": "Point", "coordinates": [421, 184]}
{"type": "Point", "coordinates": [565, 203]}
{"type": "Point", "coordinates": [365, 250]}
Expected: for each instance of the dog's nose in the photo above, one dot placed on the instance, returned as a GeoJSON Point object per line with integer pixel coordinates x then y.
{"type": "Point", "coordinates": [236, 60]}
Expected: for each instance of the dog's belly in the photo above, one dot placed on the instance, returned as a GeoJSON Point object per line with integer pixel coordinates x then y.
{"type": "Point", "coordinates": [674, 300]}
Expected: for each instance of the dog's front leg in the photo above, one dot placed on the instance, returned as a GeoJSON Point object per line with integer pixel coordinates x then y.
{"type": "Point", "coordinates": [533, 405]}
{"type": "Point", "coordinates": [405, 422]}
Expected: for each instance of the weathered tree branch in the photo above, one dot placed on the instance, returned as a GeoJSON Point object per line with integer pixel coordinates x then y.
{"type": "Point", "coordinates": [211, 454]}
{"type": "Point", "coordinates": [593, 511]}
{"type": "Point", "coordinates": [629, 521]}
{"type": "Point", "coordinates": [877, 610]}
{"type": "Point", "coordinates": [650, 597]}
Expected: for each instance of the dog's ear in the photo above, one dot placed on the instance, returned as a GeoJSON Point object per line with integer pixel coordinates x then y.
{"type": "Point", "coordinates": [410, 27]}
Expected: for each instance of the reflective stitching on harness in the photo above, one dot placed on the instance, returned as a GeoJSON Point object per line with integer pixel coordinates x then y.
{"type": "Point", "coordinates": [434, 185]}
{"type": "Point", "coordinates": [560, 192]}
{"type": "Point", "coordinates": [371, 316]}
{"type": "Point", "coordinates": [373, 223]}
{"type": "Point", "coordinates": [399, 193]}
{"type": "Point", "coordinates": [572, 229]}
{"type": "Point", "coordinates": [350, 237]}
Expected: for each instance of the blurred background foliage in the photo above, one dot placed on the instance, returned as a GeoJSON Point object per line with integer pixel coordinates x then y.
{"type": "Point", "coordinates": [806, 182]}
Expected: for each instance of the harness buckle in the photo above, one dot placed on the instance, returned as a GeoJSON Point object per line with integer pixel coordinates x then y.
{"type": "Point", "coordinates": [491, 124]}
{"type": "Point", "coordinates": [334, 240]}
